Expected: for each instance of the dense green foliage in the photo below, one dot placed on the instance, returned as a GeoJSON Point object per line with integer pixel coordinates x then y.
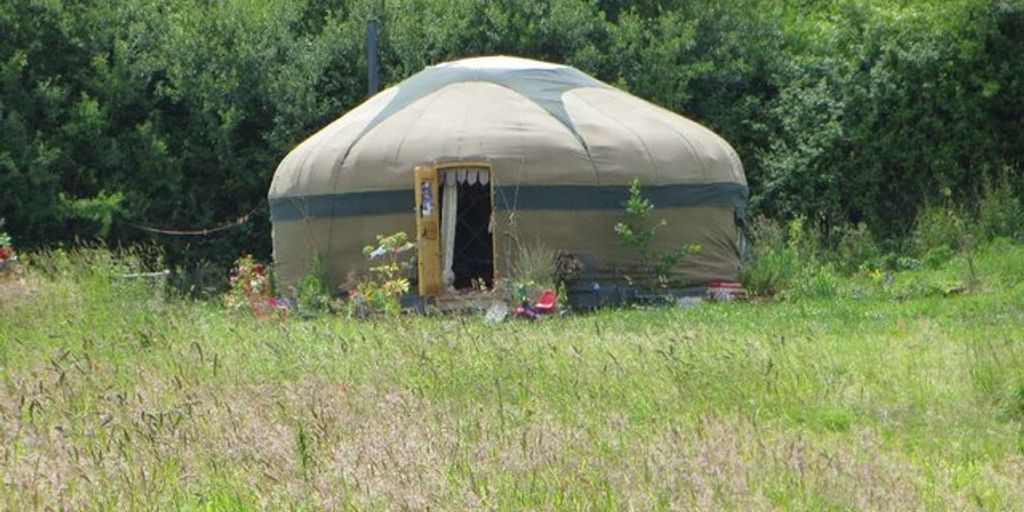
{"type": "Point", "coordinates": [887, 395]}
{"type": "Point", "coordinates": [175, 114]}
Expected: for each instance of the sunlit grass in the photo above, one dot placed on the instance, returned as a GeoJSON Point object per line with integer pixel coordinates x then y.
{"type": "Point", "coordinates": [114, 396]}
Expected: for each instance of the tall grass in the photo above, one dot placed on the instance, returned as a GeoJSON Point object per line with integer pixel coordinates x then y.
{"type": "Point", "coordinates": [797, 260]}
{"type": "Point", "coordinates": [788, 261]}
{"type": "Point", "coordinates": [116, 395]}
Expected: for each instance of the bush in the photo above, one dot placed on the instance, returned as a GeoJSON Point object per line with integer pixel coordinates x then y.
{"type": "Point", "coordinates": [1000, 213]}
{"type": "Point", "coordinates": [938, 226]}
{"type": "Point", "coordinates": [791, 262]}
{"type": "Point", "coordinates": [382, 290]}
{"type": "Point", "coordinates": [312, 292]}
{"type": "Point", "coordinates": [857, 249]}
{"type": "Point", "coordinates": [637, 233]}
{"type": "Point", "coordinates": [938, 256]}
{"type": "Point", "coordinates": [774, 263]}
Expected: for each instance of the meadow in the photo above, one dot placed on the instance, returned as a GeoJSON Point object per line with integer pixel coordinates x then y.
{"type": "Point", "coordinates": [891, 394]}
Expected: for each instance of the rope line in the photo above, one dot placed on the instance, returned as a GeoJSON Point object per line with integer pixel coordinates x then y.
{"type": "Point", "coordinates": [200, 232]}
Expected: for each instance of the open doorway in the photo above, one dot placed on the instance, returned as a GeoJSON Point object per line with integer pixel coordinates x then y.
{"type": "Point", "coordinates": [466, 232]}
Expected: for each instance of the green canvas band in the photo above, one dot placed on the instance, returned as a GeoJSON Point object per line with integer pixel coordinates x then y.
{"type": "Point", "coordinates": [509, 198]}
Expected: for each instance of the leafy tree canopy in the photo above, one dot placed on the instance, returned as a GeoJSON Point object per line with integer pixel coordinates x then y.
{"type": "Point", "coordinates": [123, 112]}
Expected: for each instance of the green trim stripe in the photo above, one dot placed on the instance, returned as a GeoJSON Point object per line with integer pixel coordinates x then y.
{"type": "Point", "coordinates": [506, 198]}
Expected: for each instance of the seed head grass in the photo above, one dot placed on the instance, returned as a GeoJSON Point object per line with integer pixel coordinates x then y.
{"type": "Point", "coordinates": [115, 394]}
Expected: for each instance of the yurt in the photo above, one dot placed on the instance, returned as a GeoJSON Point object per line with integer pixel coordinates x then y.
{"type": "Point", "coordinates": [478, 158]}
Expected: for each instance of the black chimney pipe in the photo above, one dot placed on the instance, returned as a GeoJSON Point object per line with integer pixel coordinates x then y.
{"type": "Point", "coordinates": [372, 58]}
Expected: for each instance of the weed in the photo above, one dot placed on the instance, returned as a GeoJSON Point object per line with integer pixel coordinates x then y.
{"type": "Point", "coordinates": [303, 451]}
{"type": "Point", "coordinates": [821, 282]}
{"type": "Point", "coordinates": [312, 291]}
{"type": "Point", "coordinates": [535, 264]}
{"type": "Point", "coordinates": [968, 244]}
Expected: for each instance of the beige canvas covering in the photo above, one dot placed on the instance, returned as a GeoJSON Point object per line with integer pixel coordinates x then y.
{"type": "Point", "coordinates": [562, 146]}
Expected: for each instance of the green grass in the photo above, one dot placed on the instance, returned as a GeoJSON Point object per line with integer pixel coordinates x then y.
{"type": "Point", "coordinates": [884, 397]}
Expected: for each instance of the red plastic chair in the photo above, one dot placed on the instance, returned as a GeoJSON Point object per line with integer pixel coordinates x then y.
{"type": "Point", "coordinates": [547, 302]}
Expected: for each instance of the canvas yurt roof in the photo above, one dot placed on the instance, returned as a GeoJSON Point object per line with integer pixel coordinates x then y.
{"type": "Point", "coordinates": [556, 138]}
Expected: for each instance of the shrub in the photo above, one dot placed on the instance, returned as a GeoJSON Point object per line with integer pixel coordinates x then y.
{"type": "Point", "coordinates": [937, 256]}
{"type": "Point", "coordinates": [948, 227]}
{"type": "Point", "coordinates": [814, 276]}
{"type": "Point", "coordinates": [93, 214]}
{"type": "Point", "coordinates": [381, 291]}
{"type": "Point", "coordinates": [790, 261]}
{"type": "Point", "coordinates": [936, 226]}
{"type": "Point", "coordinates": [1000, 213]}
{"type": "Point", "coordinates": [899, 262]}
{"type": "Point", "coordinates": [638, 231]}
{"type": "Point", "coordinates": [312, 292]}
{"type": "Point", "coordinates": [856, 249]}
{"type": "Point", "coordinates": [774, 263]}
{"type": "Point", "coordinates": [804, 239]}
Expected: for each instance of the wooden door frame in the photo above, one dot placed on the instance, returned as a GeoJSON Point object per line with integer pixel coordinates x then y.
{"type": "Point", "coordinates": [438, 168]}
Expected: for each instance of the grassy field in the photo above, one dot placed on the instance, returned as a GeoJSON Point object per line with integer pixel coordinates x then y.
{"type": "Point", "coordinates": [892, 397]}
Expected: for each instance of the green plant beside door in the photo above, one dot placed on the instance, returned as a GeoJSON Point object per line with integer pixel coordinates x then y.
{"type": "Point", "coordinates": [638, 233]}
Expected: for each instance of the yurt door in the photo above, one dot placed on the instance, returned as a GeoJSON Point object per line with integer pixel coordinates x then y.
{"type": "Point", "coordinates": [467, 226]}
{"type": "Point", "coordinates": [428, 230]}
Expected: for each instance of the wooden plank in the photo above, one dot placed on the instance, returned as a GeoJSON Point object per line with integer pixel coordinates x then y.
{"type": "Point", "coordinates": [428, 230]}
